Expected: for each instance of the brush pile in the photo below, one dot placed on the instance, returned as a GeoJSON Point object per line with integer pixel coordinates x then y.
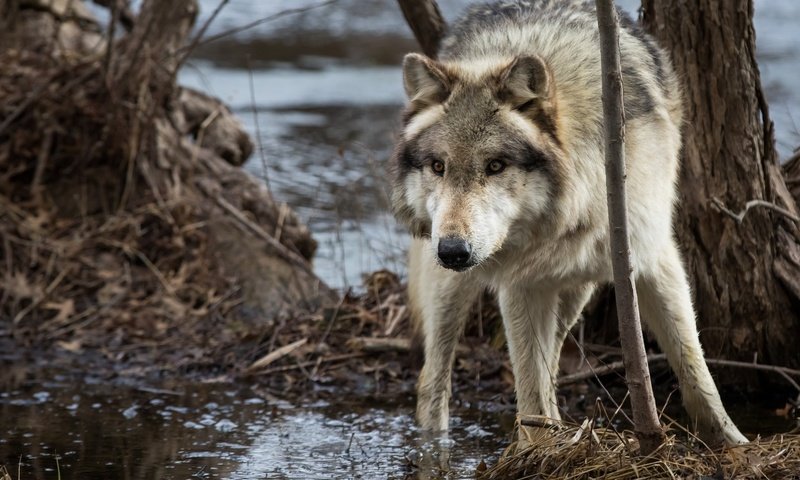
{"type": "Point", "coordinates": [126, 226]}
{"type": "Point", "coordinates": [362, 345]}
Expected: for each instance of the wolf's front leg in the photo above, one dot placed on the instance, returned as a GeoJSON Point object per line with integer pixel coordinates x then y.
{"type": "Point", "coordinates": [666, 304]}
{"type": "Point", "coordinates": [441, 300]}
{"type": "Point", "coordinates": [531, 326]}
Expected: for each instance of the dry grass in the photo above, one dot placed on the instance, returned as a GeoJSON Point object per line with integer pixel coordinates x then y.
{"type": "Point", "coordinates": [573, 452]}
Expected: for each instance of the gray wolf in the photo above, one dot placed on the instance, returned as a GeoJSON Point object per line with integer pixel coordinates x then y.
{"type": "Point", "coordinates": [499, 175]}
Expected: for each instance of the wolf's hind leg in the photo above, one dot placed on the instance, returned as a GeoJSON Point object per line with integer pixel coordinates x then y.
{"type": "Point", "coordinates": [441, 299]}
{"type": "Point", "coordinates": [571, 303]}
{"type": "Point", "coordinates": [666, 305]}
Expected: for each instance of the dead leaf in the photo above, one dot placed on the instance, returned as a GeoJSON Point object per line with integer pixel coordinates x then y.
{"type": "Point", "coordinates": [18, 286]}
{"type": "Point", "coordinates": [73, 346]}
{"type": "Point", "coordinates": [65, 309]}
{"type": "Point", "coordinates": [109, 292]}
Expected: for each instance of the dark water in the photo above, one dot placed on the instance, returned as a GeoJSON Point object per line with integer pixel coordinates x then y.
{"type": "Point", "coordinates": [78, 427]}
{"type": "Point", "coordinates": [85, 429]}
{"type": "Point", "coordinates": [326, 89]}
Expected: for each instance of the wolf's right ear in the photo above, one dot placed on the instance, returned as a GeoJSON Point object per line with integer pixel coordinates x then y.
{"type": "Point", "coordinates": [424, 80]}
{"type": "Point", "coordinates": [525, 79]}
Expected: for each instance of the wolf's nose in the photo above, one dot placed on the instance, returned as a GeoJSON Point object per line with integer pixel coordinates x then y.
{"type": "Point", "coordinates": [454, 253]}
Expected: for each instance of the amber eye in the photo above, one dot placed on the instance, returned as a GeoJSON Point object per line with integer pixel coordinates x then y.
{"type": "Point", "coordinates": [438, 167]}
{"type": "Point", "coordinates": [495, 166]}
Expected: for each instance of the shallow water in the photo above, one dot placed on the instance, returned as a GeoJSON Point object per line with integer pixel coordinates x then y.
{"type": "Point", "coordinates": [322, 90]}
{"type": "Point", "coordinates": [81, 427]}
{"type": "Point", "coordinates": [86, 429]}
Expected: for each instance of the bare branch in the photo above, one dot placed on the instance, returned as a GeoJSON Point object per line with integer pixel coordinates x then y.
{"type": "Point", "coordinates": [739, 217]}
{"type": "Point", "coordinates": [233, 31]}
{"type": "Point", "coordinates": [785, 372]}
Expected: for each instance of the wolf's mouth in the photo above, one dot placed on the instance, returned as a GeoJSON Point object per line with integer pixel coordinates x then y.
{"type": "Point", "coordinates": [459, 268]}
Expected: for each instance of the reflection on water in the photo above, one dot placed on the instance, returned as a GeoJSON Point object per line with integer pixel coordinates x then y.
{"type": "Point", "coordinates": [85, 428]}
{"type": "Point", "coordinates": [221, 431]}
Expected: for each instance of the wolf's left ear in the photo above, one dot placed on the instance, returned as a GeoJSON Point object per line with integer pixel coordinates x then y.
{"type": "Point", "coordinates": [525, 80]}
{"type": "Point", "coordinates": [425, 81]}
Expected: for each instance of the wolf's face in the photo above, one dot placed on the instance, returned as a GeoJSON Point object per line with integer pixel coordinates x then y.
{"type": "Point", "coordinates": [479, 152]}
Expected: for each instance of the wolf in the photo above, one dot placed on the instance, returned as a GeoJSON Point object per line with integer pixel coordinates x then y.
{"type": "Point", "coordinates": [499, 175]}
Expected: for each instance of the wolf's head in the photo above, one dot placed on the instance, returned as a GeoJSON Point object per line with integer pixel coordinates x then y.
{"type": "Point", "coordinates": [479, 152]}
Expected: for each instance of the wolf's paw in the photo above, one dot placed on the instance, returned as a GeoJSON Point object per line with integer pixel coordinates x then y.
{"type": "Point", "coordinates": [726, 434]}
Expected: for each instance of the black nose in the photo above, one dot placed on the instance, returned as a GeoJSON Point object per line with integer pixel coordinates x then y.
{"type": "Point", "coordinates": [454, 252]}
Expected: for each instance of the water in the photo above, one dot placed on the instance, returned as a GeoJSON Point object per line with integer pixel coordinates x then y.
{"type": "Point", "coordinates": [75, 426]}
{"type": "Point", "coordinates": [222, 431]}
{"type": "Point", "coordinates": [325, 86]}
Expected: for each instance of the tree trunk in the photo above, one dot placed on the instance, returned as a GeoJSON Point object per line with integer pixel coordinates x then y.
{"type": "Point", "coordinates": [745, 274]}
{"type": "Point", "coordinates": [427, 23]}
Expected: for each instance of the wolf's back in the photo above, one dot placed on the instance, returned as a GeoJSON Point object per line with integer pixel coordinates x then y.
{"type": "Point", "coordinates": [565, 34]}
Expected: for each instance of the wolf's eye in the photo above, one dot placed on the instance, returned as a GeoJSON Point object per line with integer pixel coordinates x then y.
{"type": "Point", "coordinates": [438, 167]}
{"type": "Point", "coordinates": [495, 166]}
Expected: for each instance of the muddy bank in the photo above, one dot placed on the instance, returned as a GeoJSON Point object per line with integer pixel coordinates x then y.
{"type": "Point", "coordinates": [126, 222]}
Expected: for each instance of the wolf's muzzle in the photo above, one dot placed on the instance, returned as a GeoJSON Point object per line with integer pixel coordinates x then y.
{"type": "Point", "coordinates": [455, 253]}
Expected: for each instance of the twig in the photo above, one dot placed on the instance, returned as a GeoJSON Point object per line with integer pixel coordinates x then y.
{"type": "Point", "coordinates": [274, 355]}
{"type": "Point", "coordinates": [41, 165]}
{"type": "Point", "coordinates": [191, 45]}
{"type": "Point", "coordinates": [646, 424]}
{"type": "Point", "coordinates": [783, 371]}
{"type": "Point", "coordinates": [124, 14]}
{"type": "Point", "coordinates": [539, 421]}
{"type": "Point", "coordinates": [394, 320]}
{"type": "Point", "coordinates": [603, 370]}
{"type": "Point", "coordinates": [155, 271]}
{"type": "Point", "coordinates": [334, 315]}
{"type": "Point", "coordinates": [280, 249]}
{"type": "Point", "coordinates": [256, 23]}
{"type": "Point", "coordinates": [47, 291]}
{"type": "Point", "coordinates": [110, 34]}
{"type": "Point", "coordinates": [201, 132]}
{"type": "Point", "coordinates": [739, 217]}
{"type": "Point", "coordinates": [370, 344]}
{"type": "Point", "coordinates": [612, 367]}
{"type": "Point", "coordinates": [283, 210]}
{"type": "Point", "coordinates": [308, 363]}
{"type": "Point", "coordinates": [134, 147]}
{"type": "Point", "coordinates": [257, 124]}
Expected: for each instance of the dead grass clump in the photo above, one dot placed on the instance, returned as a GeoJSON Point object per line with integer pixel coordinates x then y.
{"type": "Point", "coordinates": [583, 452]}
